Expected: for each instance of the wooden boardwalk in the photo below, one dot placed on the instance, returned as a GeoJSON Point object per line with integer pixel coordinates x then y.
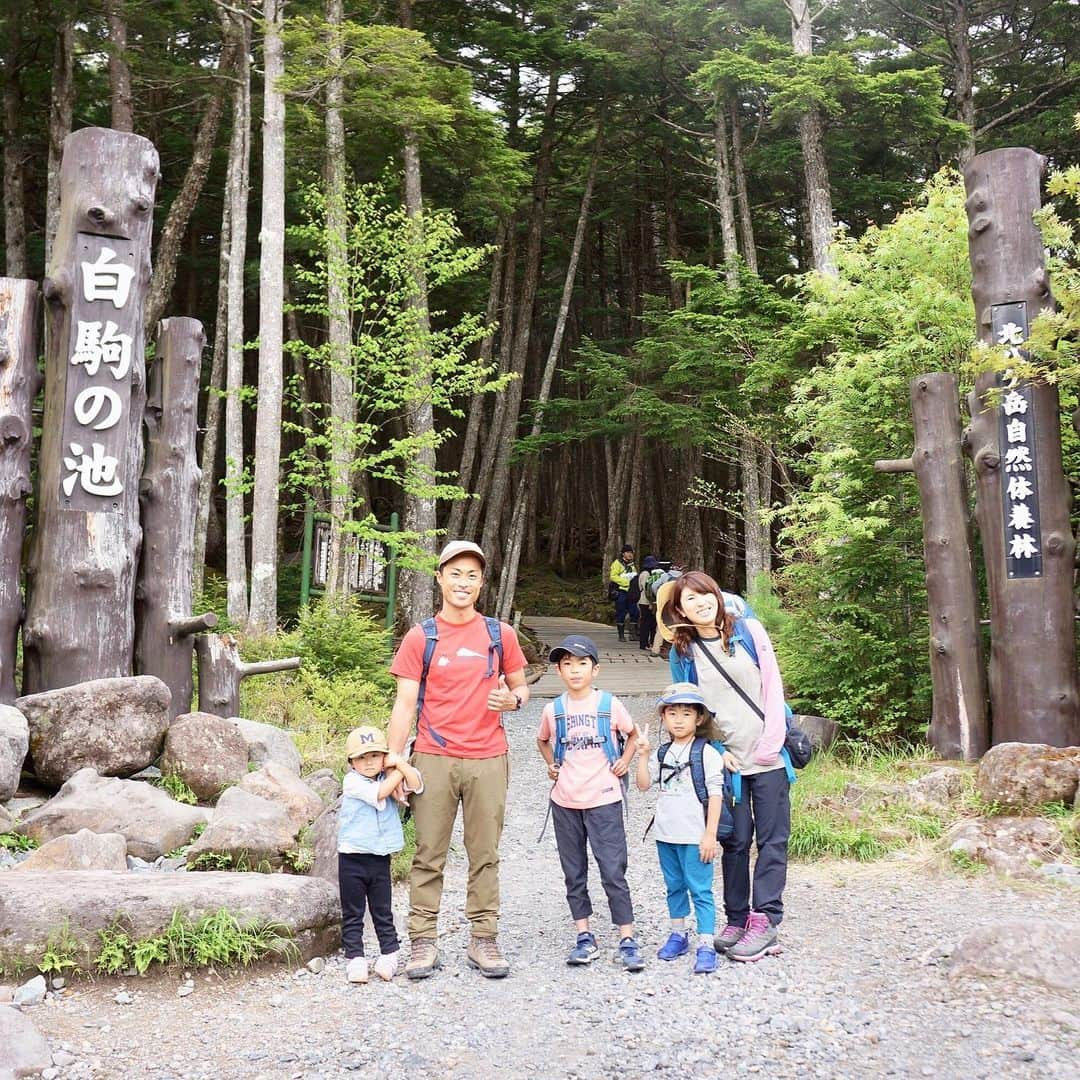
{"type": "Point", "coordinates": [624, 668]}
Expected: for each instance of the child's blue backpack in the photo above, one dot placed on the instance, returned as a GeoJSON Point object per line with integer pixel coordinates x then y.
{"type": "Point", "coordinates": [614, 743]}
{"type": "Point", "coordinates": [696, 764]}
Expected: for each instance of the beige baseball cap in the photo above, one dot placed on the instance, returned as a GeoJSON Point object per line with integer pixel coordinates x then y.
{"type": "Point", "coordinates": [365, 740]}
{"type": "Point", "coordinates": [461, 547]}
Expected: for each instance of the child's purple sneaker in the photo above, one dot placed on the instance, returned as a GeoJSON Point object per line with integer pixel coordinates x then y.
{"type": "Point", "coordinates": [704, 960]}
{"type": "Point", "coordinates": [676, 945]}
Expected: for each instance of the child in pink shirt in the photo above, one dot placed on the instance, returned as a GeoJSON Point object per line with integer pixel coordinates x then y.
{"type": "Point", "coordinates": [579, 738]}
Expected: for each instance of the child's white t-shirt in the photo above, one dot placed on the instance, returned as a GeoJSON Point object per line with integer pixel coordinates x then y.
{"type": "Point", "coordinates": [680, 816]}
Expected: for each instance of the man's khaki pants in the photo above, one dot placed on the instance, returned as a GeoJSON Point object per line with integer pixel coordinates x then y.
{"type": "Point", "coordinates": [479, 785]}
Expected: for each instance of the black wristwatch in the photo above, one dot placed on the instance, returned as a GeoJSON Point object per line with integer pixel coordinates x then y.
{"type": "Point", "coordinates": [517, 707]}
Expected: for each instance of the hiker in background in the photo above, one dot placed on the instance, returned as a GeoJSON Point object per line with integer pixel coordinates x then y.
{"type": "Point", "coordinates": [587, 739]}
{"type": "Point", "coordinates": [456, 674]}
{"type": "Point", "coordinates": [728, 655]}
{"type": "Point", "coordinates": [648, 581]}
{"type": "Point", "coordinates": [685, 829]}
{"type": "Point", "coordinates": [622, 573]}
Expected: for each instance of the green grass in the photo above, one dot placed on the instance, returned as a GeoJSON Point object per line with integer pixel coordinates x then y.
{"type": "Point", "coordinates": [177, 790]}
{"type": "Point", "coordinates": [17, 842]}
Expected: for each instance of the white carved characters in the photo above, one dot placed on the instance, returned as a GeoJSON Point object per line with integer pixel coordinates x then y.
{"type": "Point", "coordinates": [1020, 521]}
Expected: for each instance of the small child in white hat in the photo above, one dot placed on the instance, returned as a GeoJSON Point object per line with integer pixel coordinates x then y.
{"type": "Point", "coordinates": [369, 832]}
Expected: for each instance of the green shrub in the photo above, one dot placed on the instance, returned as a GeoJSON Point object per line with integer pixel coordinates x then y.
{"type": "Point", "coordinates": [17, 842]}
{"type": "Point", "coordinates": [177, 789]}
{"type": "Point", "coordinates": [61, 948]}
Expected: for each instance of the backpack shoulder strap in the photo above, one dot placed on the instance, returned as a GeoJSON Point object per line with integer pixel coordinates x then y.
{"type": "Point", "coordinates": [495, 645]}
{"type": "Point", "coordinates": [697, 769]}
{"type": "Point", "coordinates": [741, 634]}
{"type": "Point", "coordinates": [603, 727]}
{"type": "Point", "coordinates": [431, 639]}
{"type": "Point", "coordinates": [559, 749]}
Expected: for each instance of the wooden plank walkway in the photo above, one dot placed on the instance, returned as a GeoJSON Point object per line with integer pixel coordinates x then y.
{"type": "Point", "coordinates": [624, 668]}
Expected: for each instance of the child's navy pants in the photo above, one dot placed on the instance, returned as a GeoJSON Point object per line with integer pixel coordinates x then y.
{"type": "Point", "coordinates": [364, 881]}
{"type": "Point", "coordinates": [602, 827]}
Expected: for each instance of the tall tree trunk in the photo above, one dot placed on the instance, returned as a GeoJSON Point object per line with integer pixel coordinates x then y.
{"type": "Point", "coordinates": [237, 194]}
{"type": "Point", "coordinates": [342, 421]}
{"type": "Point", "coordinates": [183, 205]}
{"type": "Point", "coordinates": [61, 106]}
{"type": "Point", "coordinates": [119, 73]}
{"type": "Point", "coordinates": [499, 459]}
{"type": "Point", "coordinates": [757, 534]}
{"type": "Point", "coordinates": [957, 33]}
{"type": "Point", "coordinates": [746, 221]}
{"type": "Point", "coordinates": [526, 490]}
{"type": "Point", "coordinates": [212, 423]}
{"type": "Point", "coordinates": [14, 159]}
{"type": "Point", "coordinates": [812, 140]}
{"type": "Point", "coordinates": [724, 204]}
{"type": "Point", "coordinates": [618, 483]}
{"type": "Point", "coordinates": [262, 616]}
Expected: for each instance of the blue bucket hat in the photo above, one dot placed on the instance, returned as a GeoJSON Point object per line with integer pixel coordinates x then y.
{"type": "Point", "coordinates": [682, 693]}
{"type": "Point", "coordinates": [575, 645]}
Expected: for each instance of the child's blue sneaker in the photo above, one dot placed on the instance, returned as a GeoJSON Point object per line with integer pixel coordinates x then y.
{"type": "Point", "coordinates": [585, 951]}
{"type": "Point", "coordinates": [630, 955]}
{"type": "Point", "coordinates": [677, 945]}
{"type": "Point", "coordinates": [704, 960]}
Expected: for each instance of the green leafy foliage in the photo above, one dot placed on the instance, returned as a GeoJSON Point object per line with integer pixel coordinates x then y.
{"type": "Point", "coordinates": [61, 950]}
{"type": "Point", "coordinates": [177, 789]}
{"type": "Point", "coordinates": [17, 842]}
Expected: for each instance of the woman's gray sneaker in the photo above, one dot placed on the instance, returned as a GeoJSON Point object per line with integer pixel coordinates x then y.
{"type": "Point", "coordinates": [729, 936]}
{"type": "Point", "coordinates": [759, 939]}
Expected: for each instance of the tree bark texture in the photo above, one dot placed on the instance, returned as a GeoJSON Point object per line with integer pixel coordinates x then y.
{"type": "Point", "coordinates": [757, 549]}
{"type": "Point", "coordinates": [221, 669]}
{"type": "Point", "coordinates": [20, 306]}
{"type": "Point", "coordinates": [237, 182]}
{"type": "Point", "coordinates": [119, 73]}
{"type": "Point", "coordinates": [168, 496]}
{"type": "Point", "coordinates": [812, 141]}
{"type": "Point", "coordinates": [1033, 672]}
{"type": "Point", "coordinates": [724, 203]}
{"type": "Point", "coordinates": [958, 35]}
{"type": "Point", "coordinates": [14, 159]}
{"type": "Point", "coordinates": [959, 727]}
{"type": "Point", "coordinates": [738, 159]}
{"type": "Point", "coordinates": [61, 105]}
{"type": "Point", "coordinates": [81, 578]}
{"type": "Point", "coordinates": [262, 613]}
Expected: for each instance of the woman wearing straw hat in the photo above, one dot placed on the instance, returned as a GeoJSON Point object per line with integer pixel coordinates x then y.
{"type": "Point", "coordinates": [719, 646]}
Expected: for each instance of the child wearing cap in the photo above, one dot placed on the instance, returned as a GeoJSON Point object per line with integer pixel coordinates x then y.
{"type": "Point", "coordinates": [578, 738]}
{"type": "Point", "coordinates": [685, 837]}
{"type": "Point", "coordinates": [369, 832]}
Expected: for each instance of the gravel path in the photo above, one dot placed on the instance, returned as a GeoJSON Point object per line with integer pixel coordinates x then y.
{"type": "Point", "coordinates": [860, 990]}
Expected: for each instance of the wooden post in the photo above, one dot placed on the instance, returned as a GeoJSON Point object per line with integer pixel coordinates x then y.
{"type": "Point", "coordinates": [81, 577]}
{"type": "Point", "coordinates": [20, 305]}
{"type": "Point", "coordinates": [1014, 440]}
{"type": "Point", "coordinates": [168, 495]}
{"type": "Point", "coordinates": [221, 669]}
{"type": "Point", "coordinates": [959, 727]}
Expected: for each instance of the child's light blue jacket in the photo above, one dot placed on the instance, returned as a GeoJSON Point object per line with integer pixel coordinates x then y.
{"type": "Point", "coordinates": [364, 828]}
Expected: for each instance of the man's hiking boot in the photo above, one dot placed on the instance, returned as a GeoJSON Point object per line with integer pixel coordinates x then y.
{"type": "Point", "coordinates": [704, 960]}
{"type": "Point", "coordinates": [629, 955]}
{"type": "Point", "coordinates": [730, 935]}
{"type": "Point", "coordinates": [585, 951]}
{"type": "Point", "coordinates": [758, 941]}
{"type": "Point", "coordinates": [423, 958]}
{"type": "Point", "coordinates": [677, 945]}
{"type": "Point", "coordinates": [622, 631]}
{"type": "Point", "coordinates": [483, 954]}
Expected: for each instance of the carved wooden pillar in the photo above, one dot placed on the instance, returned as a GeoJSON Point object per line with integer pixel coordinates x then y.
{"type": "Point", "coordinates": [81, 577]}
{"type": "Point", "coordinates": [20, 306]}
{"type": "Point", "coordinates": [168, 495]}
{"type": "Point", "coordinates": [221, 669]}
{"type": "Point", "coordinates": [1015, 443]}
{"type": "Point", "coordinates": [958, 728]}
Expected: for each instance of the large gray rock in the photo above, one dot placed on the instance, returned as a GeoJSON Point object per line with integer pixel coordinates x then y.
{"type": "Point", "coordinates": [207, 752]}
{"type": "Point", "coordinates": [252, 831]}
{"type": "Point", "coordinates": [113, 726]}
{"type": "Point", "coordinates": [324, 834]}
{"type": "Point", "coordinates": [24, 1049]}
{"type": "Point", "coordinates": [1019, 775]}
{"type": "Point", "coordinates": [1010, 845]}
{"type": "Point", "coordinates": [1044, 950]}
{"type": "Point", "coordinates": [32, 907]}
{"type": "Point", "coordinates": [821, 730]}
{"type": "Point", "coordinates": [152, 823]}
{"type": "Point", "coordinates": [7, 820]}
{"type": "Point", "coordinates": [938, 787]}
{"type": "Point", "coordinates": [14, 745]}
{"type": "Point", "coordinates": [83, 850]}
{"type": "Point", "coordinates": [282, 786]}
{"type": "Point", "coordinates": [265, 742]}
{"type": "Point", "coordinates": [326, 785]}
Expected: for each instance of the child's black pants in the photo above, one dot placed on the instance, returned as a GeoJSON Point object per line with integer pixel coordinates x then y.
{"type": "Point", "coordinates": [364, 881]}
{"type": "Point", "coordinates": [601, 827]}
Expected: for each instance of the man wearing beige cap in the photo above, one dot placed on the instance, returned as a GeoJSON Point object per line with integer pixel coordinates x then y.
{"type": "Point", "coordinates": [456, 674]}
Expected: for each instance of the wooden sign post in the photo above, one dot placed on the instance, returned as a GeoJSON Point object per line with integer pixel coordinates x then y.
{"type": "Point", "coordinates": [1014, 440]}
{"type": "Point", "coordinates": [19, 384]}
{"type": "Point", "coordinates": [168, 494]}
{"type": "Point", "coordinates": [81, 577]}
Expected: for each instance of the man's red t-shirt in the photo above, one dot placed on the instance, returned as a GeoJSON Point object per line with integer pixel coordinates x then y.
{"type": "Point", "coordinates": [455, 698]}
